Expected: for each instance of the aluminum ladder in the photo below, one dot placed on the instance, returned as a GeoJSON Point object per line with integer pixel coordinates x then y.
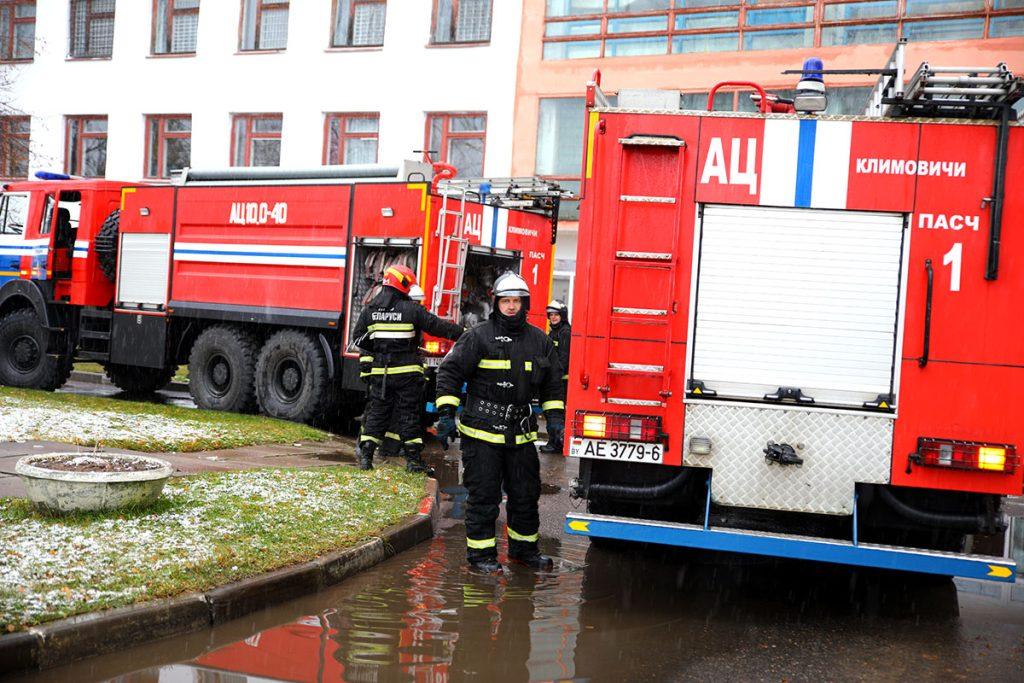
{"type": "Point", "coordinates": [449, 239]}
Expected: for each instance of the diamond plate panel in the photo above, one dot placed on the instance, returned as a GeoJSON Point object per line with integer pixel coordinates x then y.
{"type": "Point", "coordinates": [838, 451]}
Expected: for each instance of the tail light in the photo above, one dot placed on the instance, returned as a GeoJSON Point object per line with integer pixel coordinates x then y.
{"type": "Point", "coordinates": [965, 455]}
{"type": "Point", "coordinates": [617, 426]}
{"type": "Point", "coordinates": [432, 346]}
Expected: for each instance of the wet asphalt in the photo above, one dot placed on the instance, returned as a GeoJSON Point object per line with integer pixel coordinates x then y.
{"type": "Point", "coordinates": [602, 614]}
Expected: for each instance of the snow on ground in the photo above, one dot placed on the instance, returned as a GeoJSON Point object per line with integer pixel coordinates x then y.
{"type": "Point", "coordinates": [23, 420]}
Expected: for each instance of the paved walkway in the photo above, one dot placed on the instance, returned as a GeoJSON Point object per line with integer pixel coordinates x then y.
{"type": "Point", "coordinates": [301, 454]}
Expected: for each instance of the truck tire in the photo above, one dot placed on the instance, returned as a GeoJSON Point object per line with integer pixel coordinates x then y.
{"type": "Point", "coordinates": [221, 367]}
{"type": "Point", "coordinates": [24, 361]}
{"type": "Point", "coordinates": [138, 381]}
{"type": "Point", "coordinates": [105, 244]}
{"type": "Point", "coordinates": [292, 381]}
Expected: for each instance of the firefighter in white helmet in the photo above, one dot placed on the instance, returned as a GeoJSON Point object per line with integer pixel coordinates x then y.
{"type": "Point", "coordinates": [505, 363]}
{"type": "Point", "coordinates": [560, 333]}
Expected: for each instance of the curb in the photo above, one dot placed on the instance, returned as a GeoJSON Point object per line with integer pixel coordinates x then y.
{"type": "Point", "coordinates": [100, 378]}
{"type": "Point", "coordinates": [68, 640]}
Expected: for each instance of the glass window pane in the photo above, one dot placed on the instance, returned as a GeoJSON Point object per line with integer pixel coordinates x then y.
{"type": "Point", "coordinates": [690, 4]}
{"type": "Point", "coordinates": [21, 125]}
{"type": "Point", "coordinates": [917, 8]}
{"type": "Point", "coordinates": [706, 42]}
{"type": "Point", "coordinates": [333, 140]}
{"type": "Point", "coordinates": [267, 125]}
{"type": "Point", "coordinates": [698, 101]}
{"type": "Point", "coordinates": [569, 210]}
{"type": "Point", "coordinates": [24, 41]}
{"type": "Point", "coordinates": [23, 10]}
{"type": "Point", "coordinates": [273, 29]}
{"type": "Point", "coordinates": [95, 125]}
{"type": "Point", "coordinates": [474, 21]}
{"type": "Point", "coordinates": [436, 132]}
{"type": "Point", "coordinates": [94, 157]}
{"type": "Point", "coordinates": [153, 145]}
{"type": "Point", "coordinates": [467, 124]}
{"type": "Point", "coordinates": [637, 5]}
{"type": "Point", "coordinates": [266, 152]}
{"type": "Point", "coordinates": [180, 125]}
{"type": "Point", "coordinates": [101, 37]}
{"type": "Point", "coordinates": [777, 40]}
{"type": "Point", "coordinates": [637, 24]}
{"type": "Point", "coordinates": [706, 20]}
{"type": "Point", "coordinates": [186, 4]}
{"type": "Point", "coordinates": [443, 21]}
{"type": "Point", "coordinates": [848, 101]}
{"type": "Point", "coordinates": [361, 151]}
{"type": "Point", "coordinates": [574, 50]}
{"type": "Point", "coordinates": [860, 10]}
{"type": "Point", "coordinates": [362, 124]}
{"type": "Point", "coordinates": [342, 22]}
{"type": "Point", "coordinates": [781, 15]}
{"type": "Point", "coordinates": [861, 33]}
{"type": "Point", "coordinates": [572, 28]}
{"type": "Point", "coordinates": [560, 136]}
{"type": "Point", "coordinates": [184, 32]}
{"type": "Point", "coordinates": [238, 140]}
{"type": "Point", "coordinates": [15, 213]}
{"type": "Point", "coordinates": [569, 8]}
{"type": "Point", "coordinates": [1008, 4]}
{"type": "Point", "coordinates": [629, 47]}
{"type": "Point", "coordinates": [368, 27]}
{"type": "Point", "coordinates": [177, 154]}
{"type": "Point", "coordinates": [1006, 26]}
{"type": "Point", "coordinates": [467, 155]}
{"type": "Point", "coordinates": [950, 29]}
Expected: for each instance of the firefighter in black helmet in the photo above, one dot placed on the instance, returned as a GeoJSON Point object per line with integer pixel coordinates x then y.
{"type": "Point", "coordinates": [389, 331]}
{"type": "Point", "coordinates": [506, 363]}
{"type": "Point", "coordinates": [560, 333]}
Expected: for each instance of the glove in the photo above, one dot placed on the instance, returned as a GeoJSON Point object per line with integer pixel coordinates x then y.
{"type": "Point", "coordinates": [446, 429]}
{"type": "Point", "coordinates": [556, 425]}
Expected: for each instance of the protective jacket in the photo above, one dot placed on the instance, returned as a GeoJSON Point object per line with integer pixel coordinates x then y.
{"type": "Point", "coordinates": [504, 366]}
{"type": "Point", "coordinates": [561, 337]}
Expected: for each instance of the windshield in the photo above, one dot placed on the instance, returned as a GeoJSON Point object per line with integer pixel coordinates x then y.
{"type": "Point", "coordinates": [13, 212]}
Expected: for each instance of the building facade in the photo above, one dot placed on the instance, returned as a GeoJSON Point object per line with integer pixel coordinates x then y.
{"type": "Point", "coordinates": [690, 45]}
{"type": "Point", "coordinates": [132, 89]}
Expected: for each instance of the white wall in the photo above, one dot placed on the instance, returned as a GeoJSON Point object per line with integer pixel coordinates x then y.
{"type": "Point", "coordinates": [402, 81]}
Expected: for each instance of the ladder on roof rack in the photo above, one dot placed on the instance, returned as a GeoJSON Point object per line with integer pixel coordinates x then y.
{"type": "Point", "coordinates": [454, 238]}
{"type": "Point", "coordinates": [523, 192]}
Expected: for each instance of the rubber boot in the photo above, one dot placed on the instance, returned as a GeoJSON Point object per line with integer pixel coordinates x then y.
{"type": "Point", "coordinates": [532, 558]}
{"type": "Point", "coordinates": [552, 446]}
{"type": "Point", "coordinates": [414, 460]}
{"type": "Point", "coordinates": [486, 565]}
{"type": "Point", "coordinates": [364, 454]}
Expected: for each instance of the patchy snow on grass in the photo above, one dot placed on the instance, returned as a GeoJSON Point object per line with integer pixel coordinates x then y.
{"type": "Point", "coordinates": [210, 529]}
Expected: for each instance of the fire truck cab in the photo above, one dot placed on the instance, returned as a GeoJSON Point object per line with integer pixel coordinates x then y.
{"type": "Point", "coordinates": [799, 335]}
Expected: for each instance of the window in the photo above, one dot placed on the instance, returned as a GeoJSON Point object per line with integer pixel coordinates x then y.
{"type": "Point", "coordinates": [351, 138]}
{"type": "Point", "coordinates": [17, 30]}
{"type": "Point", "coordinates": [462, 21]}
{"type": "Point", "coordinates": [358, 23]}
{"type": "Point", "coordinates": [168, 144]}
{"type": "Point", "coordinates": [85, 146]}
{"type": "Point", "coordinates": [92, 28]}
{"type": "Point", "coordinates": [14, 138]}
{"type": "Point", "coordinates": [175, 27]}
{"type": "Point", "coordinates": [264, 25]}
{"type": "Point", "coordinates": [583, 29]}
{"type": "Point", "coordinates": [458, 139]}
{"type": "Point", "coordinates": [13, 213]}
{"type": "Point", "coordinates": [256, 140]}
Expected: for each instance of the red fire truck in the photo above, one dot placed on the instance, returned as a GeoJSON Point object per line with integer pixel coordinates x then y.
{"type": "Point", "coordinates": [253, 277]}
{"type": "Point", "coordinates": [799, 335]}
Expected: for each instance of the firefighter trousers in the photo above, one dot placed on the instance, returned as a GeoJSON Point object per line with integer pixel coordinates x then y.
{"type": "Point", "coordinates": [487, 468]}
{"type": "Point", "coordinates": [394, 404]}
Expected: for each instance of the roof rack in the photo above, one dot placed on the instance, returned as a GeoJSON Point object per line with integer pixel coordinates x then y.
{"type": "Point", "coordinates": [526, 192]}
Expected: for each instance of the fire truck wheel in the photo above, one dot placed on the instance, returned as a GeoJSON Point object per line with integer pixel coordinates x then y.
{"type": "Point", "coordinates": [105, 244]}
{"type": "Point", "coordinates": [24, 361]}
{"type": "Point", "coordinates": [137, 381]}
{"type": "Point", "coordinates": [221, 367]}
{"type": "Point", "coordinates": [292, 381]}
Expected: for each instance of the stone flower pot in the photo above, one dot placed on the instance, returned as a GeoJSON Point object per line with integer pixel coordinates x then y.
{"type": "Point", "coordinates": [72, 482]}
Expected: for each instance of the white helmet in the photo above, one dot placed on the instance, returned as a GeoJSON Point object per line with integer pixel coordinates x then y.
{"type": "Point", "coordinates": [557, 306]}
{"type": "Point", "coordinates": [416, 293]}
{"type": "Point", "coordinates": [510, 284]}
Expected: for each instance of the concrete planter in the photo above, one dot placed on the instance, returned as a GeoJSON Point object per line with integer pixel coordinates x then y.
{"type": "Point", "coordinates": [69, 491]}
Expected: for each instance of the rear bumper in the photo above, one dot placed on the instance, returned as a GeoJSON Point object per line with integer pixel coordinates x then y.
{"type": "Point", "coordinates": [793, 547]}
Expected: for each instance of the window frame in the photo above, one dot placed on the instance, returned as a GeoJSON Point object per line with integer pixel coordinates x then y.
{"type": "Point", "coordinates": [12, 25]}
{"type": "Point", "coordinates": [251, 134]}
{"type": "Point", "coordinates": [343, 118]}
{"type": "Point", "coordinates": [7, 140]}
{"type": "Point", "coordinates": [433, 42]}
{"type": "Point", "coordinates": [257, 21]}
{"type": "Point", "coordinates": [352, 14]}
{"type": "Point", "coordinates": [447, 135]}
{"type": "Point", "coordinates": [816, 23]}
{"type": "Point", "coordinates": [90, 17]}
{"type": "Point", "coordinates": [83, 135]}
{"type": "Point", "coordinates": [163, 135]}
{"type": "Point", "coordinates": [169, 28]}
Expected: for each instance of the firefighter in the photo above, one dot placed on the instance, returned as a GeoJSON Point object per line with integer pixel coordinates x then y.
{"type": "Point", "coordinates": [389, 329]}
{"type": "Point", "coordinates": [560, 332]}
{"type": "Point", "coordinates": [392, 445]}
{"type": "Point", "coordinates": [505, 362]}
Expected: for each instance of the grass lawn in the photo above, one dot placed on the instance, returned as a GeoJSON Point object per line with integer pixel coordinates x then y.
{"type": "Point", "coordinates": [210, 529]}
{"type": "Point", "coordinates": [180, 375]}
{"type": "Point", "coordinates": [99, 421]}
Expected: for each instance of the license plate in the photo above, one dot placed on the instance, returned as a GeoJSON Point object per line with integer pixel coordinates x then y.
{"type": "Point", "coordinates": [432, 361]}
{"type": "Point", "coordinates": [616, 450]}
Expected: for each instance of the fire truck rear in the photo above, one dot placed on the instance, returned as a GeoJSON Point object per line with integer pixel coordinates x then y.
{"type": "Point", "coordinates": [254, 278]}
{"type": "Point", "coordinates": [799, 335]}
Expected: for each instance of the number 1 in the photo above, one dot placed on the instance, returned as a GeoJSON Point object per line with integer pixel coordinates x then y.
{"type": "Point", "coordinates": [954, 257]}
{"type": "Point", "coordinates": [536, 269]}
